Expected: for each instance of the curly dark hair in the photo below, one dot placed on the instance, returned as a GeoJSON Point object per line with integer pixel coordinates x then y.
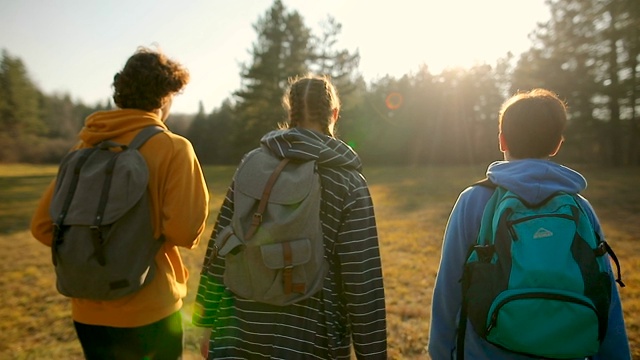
{"type": "Point", "coordinates": [147, 79]}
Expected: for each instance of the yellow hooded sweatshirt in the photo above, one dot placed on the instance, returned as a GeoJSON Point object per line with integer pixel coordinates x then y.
{"type": "Point", "coordinates": [179, 202]}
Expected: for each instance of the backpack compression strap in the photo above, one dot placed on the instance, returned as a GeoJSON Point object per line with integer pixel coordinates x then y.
{"type": "Point", "coordinates": [139, 140]}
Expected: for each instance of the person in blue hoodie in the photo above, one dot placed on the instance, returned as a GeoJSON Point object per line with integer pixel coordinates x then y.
{"type": "Point", "coordinates": [531, 126]}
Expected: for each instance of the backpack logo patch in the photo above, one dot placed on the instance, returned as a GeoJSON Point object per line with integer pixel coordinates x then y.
{"type": "Point", "coordinates": [542, 233]}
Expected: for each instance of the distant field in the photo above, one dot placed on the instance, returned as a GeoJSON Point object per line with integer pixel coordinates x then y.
{"type": "Point", "coordinates": [412, 206]}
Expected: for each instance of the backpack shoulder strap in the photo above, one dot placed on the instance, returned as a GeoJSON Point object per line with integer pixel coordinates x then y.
{"type": "Point", "coordinates": [483, 234]}
{"type": "Point", "coordinates": [486, 182]}
{"type": "Point", "coordinates": [144, 135]}
{"type": "Point", "coordinates": [266, 193]}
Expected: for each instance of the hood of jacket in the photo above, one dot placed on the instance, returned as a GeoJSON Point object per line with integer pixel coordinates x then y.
{"type": "Point", "coordinates": [535, 179]}
{"type": "Point", "coordinates": [111, 124]}
{"type": "Point", "coordinates": [306, 145]}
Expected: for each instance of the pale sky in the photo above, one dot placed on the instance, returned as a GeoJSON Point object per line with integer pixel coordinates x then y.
{"type": "Point", "coordinates": [76, 46]}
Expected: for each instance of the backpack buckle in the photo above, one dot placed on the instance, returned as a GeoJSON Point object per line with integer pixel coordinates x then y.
{"type": "Point", "coordinates": [257, 219]}
{"type": "Point", "coordinates": [600, 250]}
{"type": "Point", "coordinates": [215, 250]}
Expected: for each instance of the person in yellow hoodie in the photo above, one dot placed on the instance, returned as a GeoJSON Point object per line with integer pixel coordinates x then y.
{"type": "Point", "coordinates": [146, 324]}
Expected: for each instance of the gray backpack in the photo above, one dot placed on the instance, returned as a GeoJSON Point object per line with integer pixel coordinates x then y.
{"type": "Point", "coordinates": [103, 246]}
{"type": "Point", "coordinates": [273, 248]}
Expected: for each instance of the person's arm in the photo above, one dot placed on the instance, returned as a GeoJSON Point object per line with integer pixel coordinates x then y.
{"type": "Point", "coordinates": [186, 197]}
{"type": "Point", "coordinates": [361, 273]}
{"type": "Point", "coordinates": [211, 286]}
{"type": "Point", "coordinates": [615, 344]}
{"type": "Point", "coordinates": [461, 231]}
{"type": "Point", "coordinates": [41, 222]}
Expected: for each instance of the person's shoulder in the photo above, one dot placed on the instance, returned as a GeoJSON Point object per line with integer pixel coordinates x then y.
{"type": "Point", "coordinates": [473, 198]}
{"type": "Point", "coordinates": [477, 192]}
{"type": "Point", "coordinates": [351, 176]}
{"type": "Point", "coordinates": [168, 145]}
{"type": "Point", "coordinates": [344, 182]}
{"type": "Point", "coordinates": [172, 140]}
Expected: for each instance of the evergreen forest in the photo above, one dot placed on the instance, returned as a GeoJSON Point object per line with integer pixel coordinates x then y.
{"type": "Point", "coordinates": [588, 52]}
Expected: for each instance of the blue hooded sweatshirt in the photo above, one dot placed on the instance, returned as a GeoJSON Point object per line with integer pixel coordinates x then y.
{"type": "Point", "coordinates": [533, 180]}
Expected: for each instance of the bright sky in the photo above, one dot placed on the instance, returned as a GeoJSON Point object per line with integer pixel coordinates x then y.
{"type": "Point", "coordinates": [76, 46]}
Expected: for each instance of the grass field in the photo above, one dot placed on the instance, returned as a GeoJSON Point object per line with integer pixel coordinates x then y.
{"type": "Point", "coordinates": [412, 206]}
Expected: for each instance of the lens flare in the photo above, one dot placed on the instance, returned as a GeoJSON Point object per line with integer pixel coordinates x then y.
{"type": "Point", "coordinates": [394, 101]}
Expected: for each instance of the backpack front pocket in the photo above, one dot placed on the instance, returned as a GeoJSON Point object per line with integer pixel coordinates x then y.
{"type": "Point", "coordinates": [544, 322]}
{"type": "Point", "coordinates": [287, 260]}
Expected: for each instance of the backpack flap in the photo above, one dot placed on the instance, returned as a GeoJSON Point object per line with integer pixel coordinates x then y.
{"type": "Point", "coordinates": [253, 174]}
{"type": "Point", "coordinates": [125, 191]}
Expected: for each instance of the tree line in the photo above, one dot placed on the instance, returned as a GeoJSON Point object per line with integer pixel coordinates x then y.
{"type": "Point", "coordinates": [587, 52]}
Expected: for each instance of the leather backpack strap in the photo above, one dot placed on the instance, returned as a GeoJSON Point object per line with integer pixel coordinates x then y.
{"type": "Point", "coordinates": [262, 206]}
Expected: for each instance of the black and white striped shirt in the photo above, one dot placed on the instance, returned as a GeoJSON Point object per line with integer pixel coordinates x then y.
{"type": "Point", "coordinates": [350, 309]}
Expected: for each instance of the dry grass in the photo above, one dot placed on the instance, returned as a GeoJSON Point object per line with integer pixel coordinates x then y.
{"type": "Point", "coordinates": [412, 206]}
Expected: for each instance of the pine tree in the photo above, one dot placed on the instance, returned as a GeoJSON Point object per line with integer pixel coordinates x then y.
{"type": "Point", "coordinates": [20, 108]}
{"type": "Point", "coordinates": [281, 52]}
{"type": "Point", "coordinates": [588, 53]}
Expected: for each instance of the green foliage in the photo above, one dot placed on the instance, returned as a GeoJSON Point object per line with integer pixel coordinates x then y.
{"type": "Point", "coordinates": [280, 52]}
{"type": "Point", "coordinates": [211, 135]}
{"type": "Point", "coordinates": [339, 64]}
{"type": "Point", "coordinates": [20, 111]}
{"type": "Point", "coordinates": [427, 119]}
{"type": "Point", "coordinates": [34, 127]}
{"type": "Point", "coordinates": [588, 53]}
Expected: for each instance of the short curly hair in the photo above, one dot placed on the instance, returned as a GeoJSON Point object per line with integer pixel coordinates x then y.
{"type": "Point", "coordinates": [147, 80]}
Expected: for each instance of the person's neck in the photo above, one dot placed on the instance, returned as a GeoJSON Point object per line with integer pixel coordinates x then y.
{"type": "Point", "coordinates": [314, 126]}
{"type": "Point", "coordinates": [508, 157]}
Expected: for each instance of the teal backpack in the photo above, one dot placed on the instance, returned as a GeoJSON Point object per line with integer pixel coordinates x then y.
{"type": "Point", "coordinates": [536, 282]}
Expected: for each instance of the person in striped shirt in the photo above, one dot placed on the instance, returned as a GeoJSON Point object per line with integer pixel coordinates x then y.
{"type": "Point", "coordinates": [349, 312]}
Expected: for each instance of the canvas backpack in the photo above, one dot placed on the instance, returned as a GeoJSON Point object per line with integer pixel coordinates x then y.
{"type": "Point", "coordinates": [103, 245]}
{"type": "Point", "coordinates": [273, 248]}
{"type": "Point", "coordinates": [536, 282]}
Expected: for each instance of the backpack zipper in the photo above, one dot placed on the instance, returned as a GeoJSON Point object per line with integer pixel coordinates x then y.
{"type": "Point", "coordinates": [511, 223]}
{"type": "Point", "coordinates": [536, 295]}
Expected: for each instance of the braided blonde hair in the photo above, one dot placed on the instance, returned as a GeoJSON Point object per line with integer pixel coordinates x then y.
{"type": "Point", "coordinates": [311, 99]}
